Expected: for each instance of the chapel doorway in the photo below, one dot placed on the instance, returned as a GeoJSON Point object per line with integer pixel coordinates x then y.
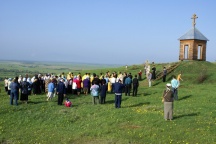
{"type": "Point", "coordinates": [186, 53]}
{"type": "Point", "coordinates": [199, 52]}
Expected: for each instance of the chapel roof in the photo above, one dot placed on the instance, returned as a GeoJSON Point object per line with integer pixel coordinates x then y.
{"type": "Point", "coordinates": [194, 33]}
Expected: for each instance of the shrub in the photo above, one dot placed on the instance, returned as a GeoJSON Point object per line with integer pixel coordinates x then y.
{"type": "Point", "coordinates": [134, 67]}
{"type": "Point", "coordinates": [202, 76]}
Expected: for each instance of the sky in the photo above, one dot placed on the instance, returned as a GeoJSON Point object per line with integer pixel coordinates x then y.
{"type": "Point", "coordinates": [102, 31]}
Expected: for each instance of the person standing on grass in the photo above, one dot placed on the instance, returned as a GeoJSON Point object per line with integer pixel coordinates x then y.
{"type": "Point", "coordinates": [30, 86]}
{"type": "Point", "coordinates": [179, 78]}
{"type": "Point", "coordinates": [164, 74]}
{"type": "Point", "coordinates": [103, 91]}
{"type": "Point", "coordinates": [135, 85]}
{"type": "Point", "coordinates": [14, 95]}
{"type": "Point", "coordinates": [61, 91]}
{"type": "Point", "coordinates": [9, 89]}
{"type": "Point", "coordinates": [149, 78]}
{"type": "Point", "coordinates": [74, 85]}
{"type": "Point", "coordinates": [24, 90]}
{"type": "Point", "coordinates": [66, 84]}
{"type": "Point", "coordinates": [36, 85]}
{"type": "Point", "coordinates": [95, 93]}
{"type": "Point", "coordinates": [86, 85]}
{"type": "Point", "coordinates": [175, 85]}
{"type": "Point", "coordinates": [96, 80]}
{"type": "Point", "coordinates": [118, 87]}
{"type": "Point", "coordinates": [167, 99]}
{"type": "Point", "coordinates": [140, 75]}
{"type": "Point", "coordinates": [6, 84]}
{"type": "Point", "coordinates": [51, 90]}
{"type": "Point", "coordinates": [78, 82]}
{"type": "Point", "coordinates": [112, 81]}
{"type": "Point", "coordinates": [120, 76]}
{"type": "Point", "coordinates": [123, 82]}
{"type": "Point", "coordinates": [128, 82]}
{"type": "Point", "coordinates": [153, 72]}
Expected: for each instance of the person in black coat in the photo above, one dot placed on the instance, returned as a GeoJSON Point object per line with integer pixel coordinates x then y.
{"type": "Point", "coordinates": [61, 91]}
{"type": "Point", "coordinates": [24, 90]}
{"type": "Point", "coordinates": [103, 91]}
{"type": "Point", "coordinates": [135, 85]}
{"type": "Point", "coordinates": [153, 73]}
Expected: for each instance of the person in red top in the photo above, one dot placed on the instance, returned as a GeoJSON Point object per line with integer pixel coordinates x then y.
{"type": "Point", "coordinates": [78, 82]}
{"type": "Point", "coordinates": [140, 75]}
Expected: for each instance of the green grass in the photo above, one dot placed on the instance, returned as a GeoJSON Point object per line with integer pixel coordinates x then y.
{"type": "Point", "coordinates": [140, 120]}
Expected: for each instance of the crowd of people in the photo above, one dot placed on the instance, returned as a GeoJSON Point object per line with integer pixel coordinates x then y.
{"type": "Point", "coordinates": [20, 87]}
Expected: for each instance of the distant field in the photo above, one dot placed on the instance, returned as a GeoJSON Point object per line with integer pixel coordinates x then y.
{"type": "Point", "coordinates": [15, 68]}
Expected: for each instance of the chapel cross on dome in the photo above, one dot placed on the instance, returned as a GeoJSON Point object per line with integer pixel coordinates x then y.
{"type": "Point", "coordinates": [194, 19]}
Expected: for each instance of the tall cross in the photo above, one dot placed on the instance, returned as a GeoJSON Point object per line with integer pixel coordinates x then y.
{"type": "Point", "coordinates": [194, 19]}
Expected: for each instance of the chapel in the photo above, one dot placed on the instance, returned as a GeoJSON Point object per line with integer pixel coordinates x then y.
{"type": "Point", "coordinates": [193, 44]}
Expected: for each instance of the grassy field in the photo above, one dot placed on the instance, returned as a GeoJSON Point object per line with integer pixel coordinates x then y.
{"type": "Point", "coordinates": [140, 120]}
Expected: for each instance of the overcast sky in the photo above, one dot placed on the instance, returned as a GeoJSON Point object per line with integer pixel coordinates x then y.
{"type": "Point", "coordinates": [102, 31]}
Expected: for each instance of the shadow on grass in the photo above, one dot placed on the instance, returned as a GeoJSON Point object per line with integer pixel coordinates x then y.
{"type": "Point", "coordinates": [139, 104]}
{"type": "Point", "coordinates": [185, 97]}
{"type": "Point", "coordinates": [185, 115]}
{"type": "Point", "coordinates": [36, 102]}
{"type": "Point", "coordinates": [110, 101]}
{"type": "Point", "coordinates": [155, 84]}
{"type": "Point", "coordinates": [113, 101]}
{"type": "Point", "coordinates": [145, 94]}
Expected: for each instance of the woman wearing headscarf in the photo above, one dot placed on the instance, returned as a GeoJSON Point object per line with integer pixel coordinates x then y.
{"type": "Point", "coordinates": [30, 86]}
{"type": "Point", "coordinates": [168, 102]}
{"type": "Point", "coordinates": [36, 85]}
{"type": "Point", "coordinates": [24, 90]}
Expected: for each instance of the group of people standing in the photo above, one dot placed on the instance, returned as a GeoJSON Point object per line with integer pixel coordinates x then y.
{"type": "Point", "coordinates": [97, 86]}
{"type": "Point", "coordinates": [16, 89]}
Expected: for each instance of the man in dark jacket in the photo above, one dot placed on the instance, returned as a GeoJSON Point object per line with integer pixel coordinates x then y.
{"type": "Point", "coordinates": [118, 87]}
{"type": "Point", "coordinates": [135, 85]}
{"type": "Point", "coordinates": [61, 91]}
{"type": "Point", "coordinates": [96, 80]}
{"type": "Point", "coordinates": [103, 91]}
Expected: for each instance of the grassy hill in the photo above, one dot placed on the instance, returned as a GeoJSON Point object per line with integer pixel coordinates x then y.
{"type": "Point", "coordinates": [140, 120]}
